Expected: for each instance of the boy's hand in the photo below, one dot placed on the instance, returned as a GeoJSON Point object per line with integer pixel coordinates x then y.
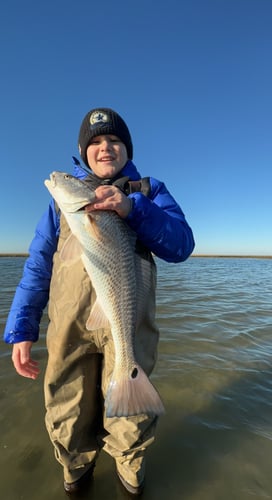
{"type": "Point", "coordinates": [111, 198]}
{"type": "Point", "coordinates": [24, 365]}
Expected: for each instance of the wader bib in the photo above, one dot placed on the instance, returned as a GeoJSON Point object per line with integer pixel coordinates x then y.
{"type": "Point", "coordinates": [80, 364]}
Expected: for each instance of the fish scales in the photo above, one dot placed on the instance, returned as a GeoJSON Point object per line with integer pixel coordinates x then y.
{"type": "Point", "coordinates": [107, 249]}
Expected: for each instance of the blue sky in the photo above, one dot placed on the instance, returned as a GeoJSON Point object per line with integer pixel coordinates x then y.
{"type": "Point", "coordinates": [191, 78]}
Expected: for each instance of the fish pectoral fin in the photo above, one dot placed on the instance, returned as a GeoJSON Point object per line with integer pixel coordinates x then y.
{"type": "Point", "coordinates": [71, 250]}
{"type": "Point", "coordinates": [97, 318]}
{"type": "Point", "coordinates": [92, 228]}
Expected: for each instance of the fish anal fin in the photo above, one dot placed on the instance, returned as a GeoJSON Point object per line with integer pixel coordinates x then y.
{"type": "Point", "coordinates": [133, 395]}
{"type": "Point", "coordinates": [97, 318]}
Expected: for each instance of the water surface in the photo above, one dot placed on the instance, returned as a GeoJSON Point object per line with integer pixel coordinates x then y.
{"type": "Point", "coordinates": [215, 377]}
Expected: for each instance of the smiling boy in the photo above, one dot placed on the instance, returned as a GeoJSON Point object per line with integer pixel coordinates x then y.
{"type": "Point", "coordinates": [80, 362]}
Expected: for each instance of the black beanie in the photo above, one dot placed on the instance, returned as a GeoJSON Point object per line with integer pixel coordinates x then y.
{"type": "Point", "coordinates": [103, 121]}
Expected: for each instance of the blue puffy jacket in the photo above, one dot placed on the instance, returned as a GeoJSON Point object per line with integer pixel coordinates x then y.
{"type": "Point", "coordinates": [157, 219]}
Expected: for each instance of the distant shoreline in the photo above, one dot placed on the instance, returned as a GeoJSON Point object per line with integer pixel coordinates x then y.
{"type": "Point", "coordinates": [219, 256]}
{"type": "Point", "coordinates": [211, 256]}
{"type": "Point", "coordinates": [14, 254]}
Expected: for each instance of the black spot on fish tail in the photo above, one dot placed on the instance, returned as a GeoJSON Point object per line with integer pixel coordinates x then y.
{"type": "Point", "coordinates": [134, 373]}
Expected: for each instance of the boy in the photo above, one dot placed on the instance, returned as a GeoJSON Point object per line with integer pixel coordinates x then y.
{"type": "Point", "coordinates": [80, 362]}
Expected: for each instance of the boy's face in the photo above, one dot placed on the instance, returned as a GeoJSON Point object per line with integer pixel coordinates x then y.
{"type": "Point", "coordinates": [106, 155]}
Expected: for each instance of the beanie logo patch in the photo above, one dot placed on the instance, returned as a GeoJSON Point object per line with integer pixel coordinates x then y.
{"type": "Point", "coordinates": [98, 117]}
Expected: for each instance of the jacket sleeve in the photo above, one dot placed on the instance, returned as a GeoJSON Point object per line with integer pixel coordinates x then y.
{"type": "Point", "coordinates": [160, 224]}
{"type": "Point", "coordinates": [32, 293]}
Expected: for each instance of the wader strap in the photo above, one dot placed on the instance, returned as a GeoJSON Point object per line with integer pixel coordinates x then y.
{"type": "Point", "coordinates": [128, 187]}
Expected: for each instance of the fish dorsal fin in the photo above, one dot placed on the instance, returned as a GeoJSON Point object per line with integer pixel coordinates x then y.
{"type": "Point", "coordinates": [97, 318]}
{"type": "Point", "coordinates": [71, 250]}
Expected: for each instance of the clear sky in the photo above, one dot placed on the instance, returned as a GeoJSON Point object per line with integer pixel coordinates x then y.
{"type": "Point", "coordinates": [193, 81]}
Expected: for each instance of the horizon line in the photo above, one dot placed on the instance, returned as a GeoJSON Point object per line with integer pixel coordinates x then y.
{"type": "Point", "coordinates": [202, 255]}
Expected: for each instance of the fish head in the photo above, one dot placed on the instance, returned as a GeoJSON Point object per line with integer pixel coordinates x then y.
{"type": "Point", "coordinates": [70, 193]}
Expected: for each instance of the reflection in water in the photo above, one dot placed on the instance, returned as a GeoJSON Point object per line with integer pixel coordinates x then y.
{"type": "Point", "coordinates": [214, 374]}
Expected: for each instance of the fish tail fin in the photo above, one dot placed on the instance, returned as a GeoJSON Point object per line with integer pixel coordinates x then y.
{"type": "Point", "coordinates": [133, 395]}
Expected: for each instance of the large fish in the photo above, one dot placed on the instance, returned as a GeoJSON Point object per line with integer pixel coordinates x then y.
{"type": "Point", "coordinates": [107, 251]}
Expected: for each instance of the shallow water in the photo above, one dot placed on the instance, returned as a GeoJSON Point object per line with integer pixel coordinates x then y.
{"type": "Point", "coordinates": [214, 374]}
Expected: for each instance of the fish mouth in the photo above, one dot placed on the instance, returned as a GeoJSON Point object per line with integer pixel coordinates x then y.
{"type": "Point", "coordinates": [51, 181]}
